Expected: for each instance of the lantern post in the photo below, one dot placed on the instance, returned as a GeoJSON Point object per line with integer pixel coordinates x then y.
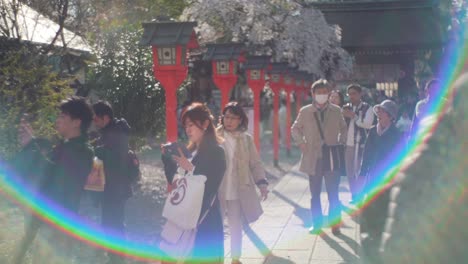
{"type": "Point", "coordinates": [276, 84]}
{"type": "Point", "coordinates": [170, 43]}
{"type": "Point", "coordinates": [224, 60]}
{"type": "Point", "coordinates": [255, 69]}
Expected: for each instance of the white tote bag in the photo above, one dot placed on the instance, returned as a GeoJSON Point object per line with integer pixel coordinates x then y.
{"type": "Point", "coordinates": [184, 202]}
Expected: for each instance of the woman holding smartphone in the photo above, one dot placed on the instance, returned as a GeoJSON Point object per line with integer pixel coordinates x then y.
{"type": "Point", "coordinates": [208, 159]}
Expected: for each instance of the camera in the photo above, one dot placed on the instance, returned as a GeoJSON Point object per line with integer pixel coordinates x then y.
{"type": "Point", "coordinates": [172, 149]}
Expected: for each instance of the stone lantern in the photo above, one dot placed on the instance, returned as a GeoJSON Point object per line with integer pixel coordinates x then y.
{"type": "Point", "coordinates": [256, 67]}
{"type": "Point", "coordinates": [170, 42]}
{"type": "Point", "coordinates": [225, 58]}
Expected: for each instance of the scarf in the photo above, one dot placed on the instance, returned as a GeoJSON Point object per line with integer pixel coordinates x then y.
{"type": "Point", "coordinates": [241, 160]}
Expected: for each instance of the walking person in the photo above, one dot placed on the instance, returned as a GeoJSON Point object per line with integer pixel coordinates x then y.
{"type": "Point", "coordinates": [359, 119]}
{"type": "Point", "coordinates": [244, 172]}
{"type": "Point", "coordinates": [112, 148]}
{"type": "Point", "coordinates": [209, 160]}
{"type": "Point", "coordinates": [382, 143]}
{"type": "Point", "coordinates": [68, 166]}
{"type": "Point", "coordinates": [318, 130]}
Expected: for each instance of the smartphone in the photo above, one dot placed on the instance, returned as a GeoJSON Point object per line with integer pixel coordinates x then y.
{"type": "Point", "coordinates": [172, 149]}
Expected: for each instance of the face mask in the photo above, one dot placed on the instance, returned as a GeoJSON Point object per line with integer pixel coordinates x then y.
{"type": "Point", "coordinates": [321, 98]}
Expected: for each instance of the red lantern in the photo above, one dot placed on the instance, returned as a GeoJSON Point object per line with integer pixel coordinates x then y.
{"type": "Point", "coordinates": [225, 58]}
{"type": "Point", "coordinates": [170, 42]}
{"type": "Point", "coordinates": [276, 84]}
{"type": "Point", "coordinates": [255, 67]}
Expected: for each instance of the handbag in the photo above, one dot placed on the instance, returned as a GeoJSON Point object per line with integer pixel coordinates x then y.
{"type": "Point", "coordinates": [183, 204]}
{"type": "Point", "coordinates": [96, 178]}
{"type": "Point", "coordinates": [333, 157]}
{"type": "Point", "coordinates": [176, 242]}
{"type": "Point", "coordinates": [250, 204]}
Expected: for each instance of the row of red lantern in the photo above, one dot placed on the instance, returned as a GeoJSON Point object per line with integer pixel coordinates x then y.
{"type": "Point", "coordinates": [171, 42]}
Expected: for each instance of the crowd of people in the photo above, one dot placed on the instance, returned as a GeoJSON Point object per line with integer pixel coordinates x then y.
{"type": "Point", "coordinates": [335, 138]}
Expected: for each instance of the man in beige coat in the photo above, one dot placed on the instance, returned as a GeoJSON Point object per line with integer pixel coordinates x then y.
{"type": "Point", "coordinates": [306, 133]}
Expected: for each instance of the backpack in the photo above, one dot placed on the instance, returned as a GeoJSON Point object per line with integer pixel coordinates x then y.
{"type": "Point", "coordinates": [134, 173]}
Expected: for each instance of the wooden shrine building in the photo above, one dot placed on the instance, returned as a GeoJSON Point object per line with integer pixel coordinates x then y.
{"type": "Point", "coordinates": [385, 37]}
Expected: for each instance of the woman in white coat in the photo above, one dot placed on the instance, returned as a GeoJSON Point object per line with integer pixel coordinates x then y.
{"type": "Point", "coordinates": [244, 172]}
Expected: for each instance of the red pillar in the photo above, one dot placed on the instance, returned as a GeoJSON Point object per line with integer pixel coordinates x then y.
{"type": "Point", "coordinates": [276, 94]}
{"type": "Point", "coordinates": [257, 86]}
{"type": "Point", "coordinates": [225, 82]}
{"type": "Point", "coordinates": [170, 86]}
{"type": "Point", "coordinates": [256, 93]}
{"type": "Point", "coordinates": [171, 77]}
{"type": "Point", "coordinates": [288, 121]}
{"type": "Point", "coordinates": [171, 116]}
{"type": "Point", "coordinates": [298, 100]}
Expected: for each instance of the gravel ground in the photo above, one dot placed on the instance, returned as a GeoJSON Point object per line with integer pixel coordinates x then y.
{"type": "Point", "coordinates": [143, 210]}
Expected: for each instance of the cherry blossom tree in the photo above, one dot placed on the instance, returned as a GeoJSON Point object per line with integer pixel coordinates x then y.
{"type": "Point", "coordinates": [284, 29]}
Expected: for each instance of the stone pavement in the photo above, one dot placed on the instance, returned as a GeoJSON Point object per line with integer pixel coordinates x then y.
{"type": "Point", "coordinates": [281, 235]}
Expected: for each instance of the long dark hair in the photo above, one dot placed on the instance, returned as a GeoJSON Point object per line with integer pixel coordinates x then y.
{"type": "Point", "coordinates": [237, 110]}
{"type": "Point", "coordinates": [199, 113]}
{"type": "Point", "coordinates": [340, 95]}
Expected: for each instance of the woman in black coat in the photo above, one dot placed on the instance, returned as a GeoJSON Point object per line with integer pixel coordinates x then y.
{"type": "Point", "coordinates": [208, 159]}
{"type": "Point", "coordinates": [382, 144]}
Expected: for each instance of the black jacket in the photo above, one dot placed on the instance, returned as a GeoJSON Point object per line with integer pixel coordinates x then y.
{"type": "Point", "coordinates": [57, 173]}
{"type": "Point", "coordinates": [379, 150]}
{"type": "Point", "coordinates": [112, 149]}
{"type": "Point", "coordinates": [209, 161]}
{"type": "Point", "coordinates": [69, 166]}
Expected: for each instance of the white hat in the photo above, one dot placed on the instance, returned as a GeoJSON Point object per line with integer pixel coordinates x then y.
{"type": "Point", "coordinates": [389, 106]}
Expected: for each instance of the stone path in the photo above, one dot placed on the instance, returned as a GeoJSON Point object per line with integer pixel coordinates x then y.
{"type": "Point", "coordinates": [281, 234]}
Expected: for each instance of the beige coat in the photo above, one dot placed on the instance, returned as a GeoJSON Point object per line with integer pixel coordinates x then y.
{"type": "Point", "coordinates": [305, 130]}
{"type": "Point", "coordinates": [249, 200]}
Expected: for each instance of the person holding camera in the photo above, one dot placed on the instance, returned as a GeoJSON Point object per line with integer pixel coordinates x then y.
{"type": "Point", "coordinates": [239, 199]}
{"type": "Point", "coordinates": [209, 160]}
{"type": "Point", "coordinates": [67, 167]}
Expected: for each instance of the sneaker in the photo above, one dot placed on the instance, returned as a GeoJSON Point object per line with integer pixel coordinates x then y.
{"type": "Point", "coordinates": [315, 230]}
{"type": "Point", "coordinates": [336, 231]}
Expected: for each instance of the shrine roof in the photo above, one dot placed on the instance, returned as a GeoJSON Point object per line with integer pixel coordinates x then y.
{"type": "Point", "coordinates": [389, 24]}
{"type": "Point", "coordinates": [168, 33]}
{"type": "Point", "coordinates": [223, 51]}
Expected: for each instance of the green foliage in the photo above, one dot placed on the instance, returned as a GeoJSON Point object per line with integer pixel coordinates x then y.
{"type": "Point", "coordinates": [27, 85]}
{"type": "Point", "coordinates": [124, 77]}
{"type": "Point", "coordinates": [123, 74]}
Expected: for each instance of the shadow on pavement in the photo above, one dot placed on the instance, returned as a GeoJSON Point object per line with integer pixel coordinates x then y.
{"type": "Point", "coordinates": [351, 211]}
{"type": "Point", "coordinates": [256, 240]}
{"type": "Point", "coordinates": [301, 212]}
{"type": "Point", "coordinates": [345, 254]}
{"type": "Point", "coordinates": [351, 243]}
{"type": "Point", "coordinates": [277, 260]}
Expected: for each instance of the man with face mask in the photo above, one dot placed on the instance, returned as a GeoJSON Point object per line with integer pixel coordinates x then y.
{"type": "Point", "coordinates": [318, 130]}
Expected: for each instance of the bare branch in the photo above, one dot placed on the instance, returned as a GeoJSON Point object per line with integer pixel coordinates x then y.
{"type": "Point", "coordinates": [62, 9]}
